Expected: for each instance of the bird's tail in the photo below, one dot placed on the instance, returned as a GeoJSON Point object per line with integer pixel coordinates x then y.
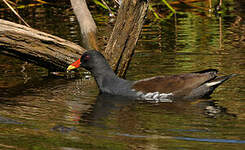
{"type": "Point", "coordinates": [218, 80]}
{"type": "Point", "coordinates": [213, 84]}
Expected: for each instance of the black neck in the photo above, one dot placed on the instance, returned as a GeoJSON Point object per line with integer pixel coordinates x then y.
{"type": "Point", "coordinates": [108, 81]}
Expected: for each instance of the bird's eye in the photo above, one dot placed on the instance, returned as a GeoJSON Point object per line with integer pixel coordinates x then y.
{"type": "Point", "coordinates": [85, 57]}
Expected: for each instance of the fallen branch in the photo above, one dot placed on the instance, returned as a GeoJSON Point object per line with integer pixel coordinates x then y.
{"type": "Point", "coordinates": [56, 54]}
{"type": "Point", "coordinates": [37, 47]}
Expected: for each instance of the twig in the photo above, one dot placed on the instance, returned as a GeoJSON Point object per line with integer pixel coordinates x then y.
{"type": "Point", "coordinates": [16, 13]}
{"type": "Point", "coordinates": [7, 146]}
{"type": "Point", "coordinates": [12, 3]}
{"type": "Point", "coordinates": [155, 13]}
{"type": "Point", "coordinates": [111, 12]}
{"type": "Point", "coordinates": [220, 3]}
{"type": "Point", "coordinates": [169, 6]}
{"type": "Point", "coordinates": [41, 1]}
{"type": "Point", "coordinates": [118, 2]}
{"type": "Point", "coordinates": [210, 5]}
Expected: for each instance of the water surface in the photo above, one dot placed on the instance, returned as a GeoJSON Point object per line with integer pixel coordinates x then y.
{"type": "Point", "coordinates": [40, 112]}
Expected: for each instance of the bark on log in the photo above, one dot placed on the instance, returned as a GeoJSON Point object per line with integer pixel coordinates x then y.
{"type": "Point", "coordinates": [37, 47]}
{"type": "Point", "coordinates": [126, 31]}
{"type": "Point", "coordinates": [56, 54]}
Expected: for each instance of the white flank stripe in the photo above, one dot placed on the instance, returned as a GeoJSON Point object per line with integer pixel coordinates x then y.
{"type": "Point", "coordinates": [155, 96]}
{"type": "Point", "coordinates": [213, 83]}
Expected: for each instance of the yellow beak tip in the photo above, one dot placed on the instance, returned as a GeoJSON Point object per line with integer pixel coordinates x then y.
{"type": "Point", "coordinates": [69, 68]}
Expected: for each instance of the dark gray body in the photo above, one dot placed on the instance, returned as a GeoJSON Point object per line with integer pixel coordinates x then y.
{"type": "Point", "coordinates": [185, 86]}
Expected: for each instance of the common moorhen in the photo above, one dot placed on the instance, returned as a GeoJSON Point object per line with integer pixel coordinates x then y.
{"type": "Point", "coordinates": [184, 86]}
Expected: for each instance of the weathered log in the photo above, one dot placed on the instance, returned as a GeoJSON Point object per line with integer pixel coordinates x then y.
{"type": "Point", "coordinates": [126, 31]}
{"type": "Point", "coordinates": [55, 53]}
{"type": "Point", "coordinates": [37, 47]}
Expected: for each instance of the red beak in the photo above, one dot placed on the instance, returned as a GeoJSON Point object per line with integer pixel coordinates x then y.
{"type": "Point", "coordinates": [74, 65]}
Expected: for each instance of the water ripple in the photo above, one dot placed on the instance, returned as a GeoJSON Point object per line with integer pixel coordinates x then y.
{"type": "Point", "coordinates": [211, 140]}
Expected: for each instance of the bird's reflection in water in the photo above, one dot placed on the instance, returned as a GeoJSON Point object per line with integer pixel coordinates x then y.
{"type": "Point", "coordinates": [105, 106]}
{"type": "Point", "coordinates": [127, 111]}
{"type": "Point", "coordinates": [211, 109]}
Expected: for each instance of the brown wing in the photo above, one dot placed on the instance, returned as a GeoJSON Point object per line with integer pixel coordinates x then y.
{"type": "Point", "coordinates": [173, 84]}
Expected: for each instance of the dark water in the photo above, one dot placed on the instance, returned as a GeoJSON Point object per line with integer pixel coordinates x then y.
{"type": "Point", "coordinates": [40, 112]}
